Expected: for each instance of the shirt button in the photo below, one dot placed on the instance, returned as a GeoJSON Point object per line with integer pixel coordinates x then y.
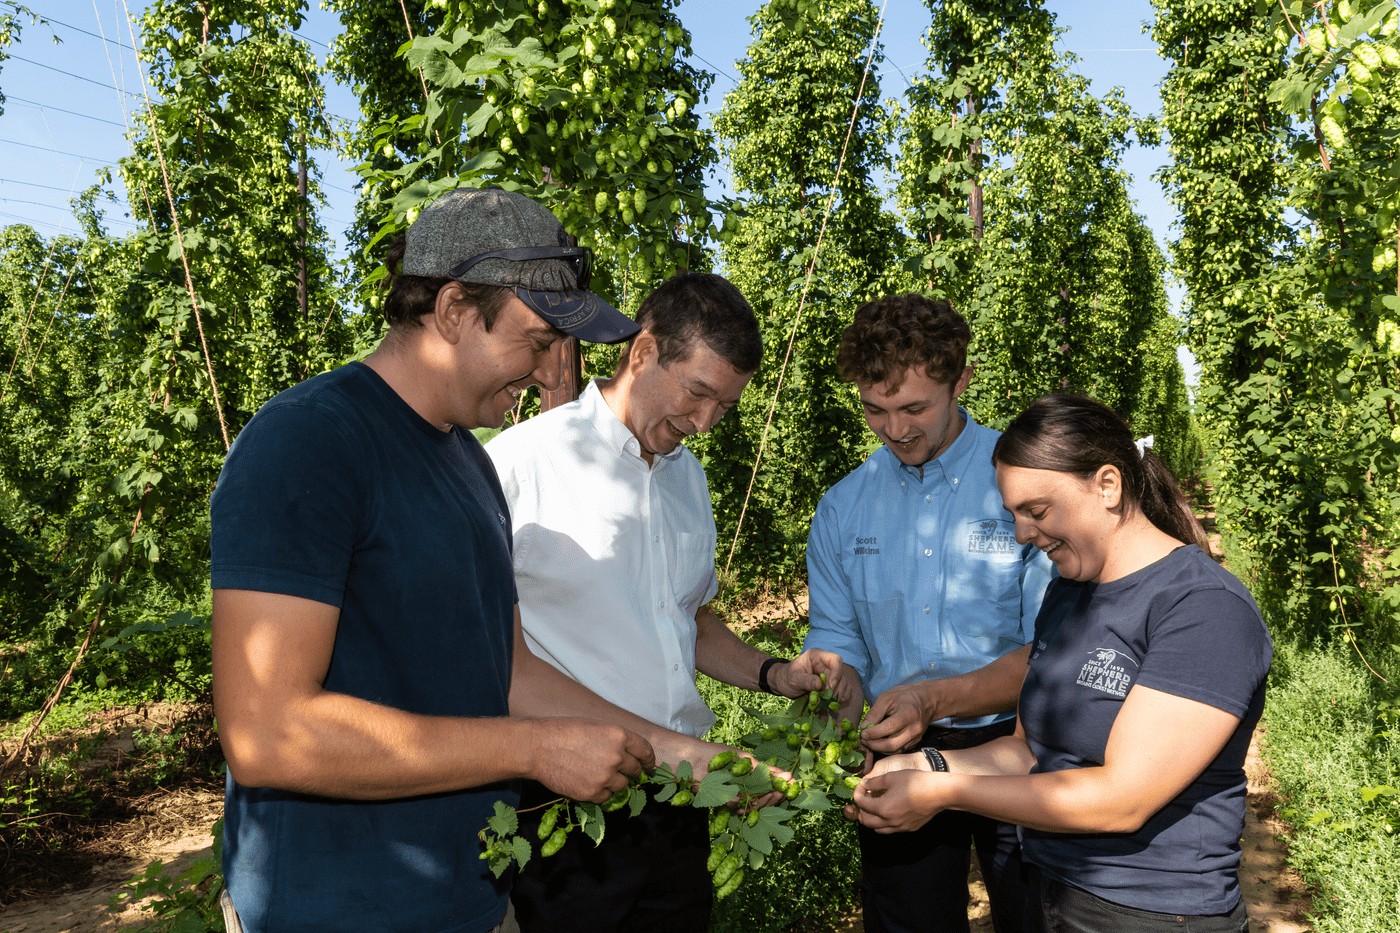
{"type": "Point", "coordinates": [928, 498]}
{"type": "Point", "coordinates": [927, 610]}
{"type": "Point", "coordinates": [928, 552]}
{"type": "Point", "coordinates": [675, 667]}
{"type": "Point", "coordinates": [661, 605]}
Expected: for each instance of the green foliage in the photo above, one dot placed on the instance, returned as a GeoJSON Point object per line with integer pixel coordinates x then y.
{"type": "Point", "coordinates": [239, 116]}
{"type": "Point", "coordinates": [1010, 178]}
{"type": "Point", "coordinates": [130, 363]}
{"type": "Point", "coordinates": [785, 131]}
{"type": "Point", "coordinates": [1331, 743]}
{"type": "Point", "coordinates": [583, 105]}
{"type": "Point", "coordinates": [811, 882]}
{"type": "Point", "coordinates": [1292, 325]}
{"type": "Point", "coordinates": [818, 754]}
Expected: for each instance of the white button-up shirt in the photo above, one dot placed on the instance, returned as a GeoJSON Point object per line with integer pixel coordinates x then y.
{"type": "Point", "coordinates": [613, 557]}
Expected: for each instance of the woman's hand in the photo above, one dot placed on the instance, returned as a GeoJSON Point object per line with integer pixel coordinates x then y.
{"type": "Point", "coordinates": [891, 798]}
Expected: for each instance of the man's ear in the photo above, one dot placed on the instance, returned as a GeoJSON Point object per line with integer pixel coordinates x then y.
{"type": "Point", "coordinates": [643, 351]}
{"type": "Point", "coordinates": [960, 386]}
{"type": "Point", "coordinates": [452, 314]}
{"type": "Point", "coordinates": [1109, 483]}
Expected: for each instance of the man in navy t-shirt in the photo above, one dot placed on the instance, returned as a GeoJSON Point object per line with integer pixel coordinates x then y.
{"type": "Point", "coordinates": [368, 661]}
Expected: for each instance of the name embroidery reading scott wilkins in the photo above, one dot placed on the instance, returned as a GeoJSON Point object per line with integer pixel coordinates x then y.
{"type": "Point", "coordinates": [865, 545]}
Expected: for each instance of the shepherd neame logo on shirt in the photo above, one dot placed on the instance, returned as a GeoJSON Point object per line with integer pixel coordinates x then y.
{"type": "Point", "coordinates": [992, 537]}
{"type": "Point", "coordinates": [1106, 672]}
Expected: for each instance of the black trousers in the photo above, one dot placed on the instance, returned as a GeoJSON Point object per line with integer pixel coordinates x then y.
{"type": "Point", "coordinates": [1067, 909]}
{"type": "Point", "coordinates": [917, 882]}
{"type": "Point", "coordinates": [648, 874]}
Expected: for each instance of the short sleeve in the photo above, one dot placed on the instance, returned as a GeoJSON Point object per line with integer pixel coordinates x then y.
{"type": "Point", "coordinates": [284, 516]}
{"type": "Point", "coordinates": [833, 618]}
{"type": "Point", "coordinates": [1210, 646]}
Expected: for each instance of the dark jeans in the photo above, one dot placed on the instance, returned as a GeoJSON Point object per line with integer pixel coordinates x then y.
{"type": "Point", "coordinates": [917, 882]}
{"type": "Point", "coordinates": [1067, 909]}
{"type": "Point", "coordinates": [648, 874]}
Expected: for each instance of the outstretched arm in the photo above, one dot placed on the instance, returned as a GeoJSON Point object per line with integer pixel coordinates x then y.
{"type": "Point", "coordinates": [726, 657]}
{"type": "Point", "coordinates": [901, 715]}
{"type": "Point", "coordinates": [281, 728]}
{"type": "Point", "coordinates": [1159, 744]}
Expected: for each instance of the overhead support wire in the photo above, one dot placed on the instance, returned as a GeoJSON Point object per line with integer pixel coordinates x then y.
{"type": "Point", "coordinates": [807, 284]}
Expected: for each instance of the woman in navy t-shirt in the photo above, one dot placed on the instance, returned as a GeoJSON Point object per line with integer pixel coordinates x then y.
{"type": "Point", "coordinates": [1126, 770]}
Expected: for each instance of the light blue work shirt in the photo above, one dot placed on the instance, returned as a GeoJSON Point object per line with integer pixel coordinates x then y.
{"type": "Point", "coordinates": [916, 577]}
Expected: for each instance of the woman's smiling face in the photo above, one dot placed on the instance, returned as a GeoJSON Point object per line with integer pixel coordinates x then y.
{"type": "Point", "coordinates": [1070, 518]}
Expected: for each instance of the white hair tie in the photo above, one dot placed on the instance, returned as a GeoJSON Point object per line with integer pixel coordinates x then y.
{"type": "Point", "coordinates": [1143, 443]}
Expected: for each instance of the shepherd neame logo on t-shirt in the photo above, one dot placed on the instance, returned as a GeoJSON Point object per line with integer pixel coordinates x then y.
{"type": "Point", "coordinates": [1105, 671]}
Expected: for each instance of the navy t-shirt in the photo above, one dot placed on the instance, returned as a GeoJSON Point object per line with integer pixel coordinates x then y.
{"type": "Point", "coordinates": [337, 491]}
{"type": "Point", "coordinates": [1184, 626]}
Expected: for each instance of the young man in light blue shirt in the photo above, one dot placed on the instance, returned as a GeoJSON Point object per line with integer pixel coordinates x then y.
{"type": "Point", "coordinates": [917, 581]}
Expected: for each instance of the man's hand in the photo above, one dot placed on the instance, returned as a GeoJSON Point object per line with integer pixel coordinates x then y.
{"type": "Point", "coordinates": [587, 760]}
{"type": "Point", "coordinates": [900, 716]}
{"type": "Point", "coordinates": [673, 748]}
{"type": "Point", "coordinates": [898, 795]}
{"type": "Point", "coordinates": [804, 673]}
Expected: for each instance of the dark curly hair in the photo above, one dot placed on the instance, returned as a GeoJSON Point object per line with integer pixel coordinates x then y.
{"type": "Point", "coordinates": [891, 335]}
{"type": "Point", "coordinates": [412, 296]}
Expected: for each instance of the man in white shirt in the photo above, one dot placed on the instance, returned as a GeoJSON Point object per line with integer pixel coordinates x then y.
{"type": "Point", "coordinates": [614, 562]}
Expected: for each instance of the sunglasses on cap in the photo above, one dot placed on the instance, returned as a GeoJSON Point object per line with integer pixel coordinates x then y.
{"type": "Point", "coordinates": [579, 258]}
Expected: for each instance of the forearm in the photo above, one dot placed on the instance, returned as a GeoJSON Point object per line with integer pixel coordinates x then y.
{"type": "Point", "coordinates": [721, 654]}
{"type": "Point", "coordinates": [1080, 800]}
{"type": "Point", "coordinates": [993, 688]}
{"type": "Point", "coordinates": [1008, 755]}
{"type": "Point", "coordinates": [340, 746]}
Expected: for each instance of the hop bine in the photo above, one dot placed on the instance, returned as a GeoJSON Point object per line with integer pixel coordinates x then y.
{"type": "Point", "coordinates": [804, 756]}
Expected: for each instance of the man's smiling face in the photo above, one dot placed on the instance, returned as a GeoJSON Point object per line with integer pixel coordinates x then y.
{"type": "Point", "coordinates": [915, 415]}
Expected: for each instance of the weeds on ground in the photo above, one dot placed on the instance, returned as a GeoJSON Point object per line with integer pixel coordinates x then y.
{"type": "Point", "coordinates": [1333, 744]}
{"type": "Point", "coordinates": [183, 903]}
{"type": "Point", "coordinates": [84, 775]}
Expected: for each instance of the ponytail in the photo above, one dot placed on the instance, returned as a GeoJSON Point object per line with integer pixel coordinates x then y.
{"type": "Point", "coordinates": [1071, 434]}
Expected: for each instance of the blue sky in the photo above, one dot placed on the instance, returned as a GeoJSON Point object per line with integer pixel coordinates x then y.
{"type": "Point", "coordinates": [69, 103]}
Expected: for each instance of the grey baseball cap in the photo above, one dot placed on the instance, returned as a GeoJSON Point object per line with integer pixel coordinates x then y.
{"type": "Point", "coordinates": [490, 236]}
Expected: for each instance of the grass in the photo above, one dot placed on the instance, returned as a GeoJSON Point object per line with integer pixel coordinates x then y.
{"type": "Point", "coordinates": [1333, 745]}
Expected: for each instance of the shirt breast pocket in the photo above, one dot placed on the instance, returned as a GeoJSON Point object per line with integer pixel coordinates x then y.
{"type": "Point", "coordinates": [690, 558]}
{"type": "Point", "coordinates": [989, 574]}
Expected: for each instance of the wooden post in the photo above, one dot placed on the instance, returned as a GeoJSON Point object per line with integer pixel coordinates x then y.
{"type": "Point", "coordinates": [572, 372]}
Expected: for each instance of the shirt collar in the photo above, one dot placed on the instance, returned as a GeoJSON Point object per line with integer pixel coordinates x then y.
{"type": "Point", "coordinates": [616, 434]}
{"type": "Point", "coordinates": [948, 467]}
